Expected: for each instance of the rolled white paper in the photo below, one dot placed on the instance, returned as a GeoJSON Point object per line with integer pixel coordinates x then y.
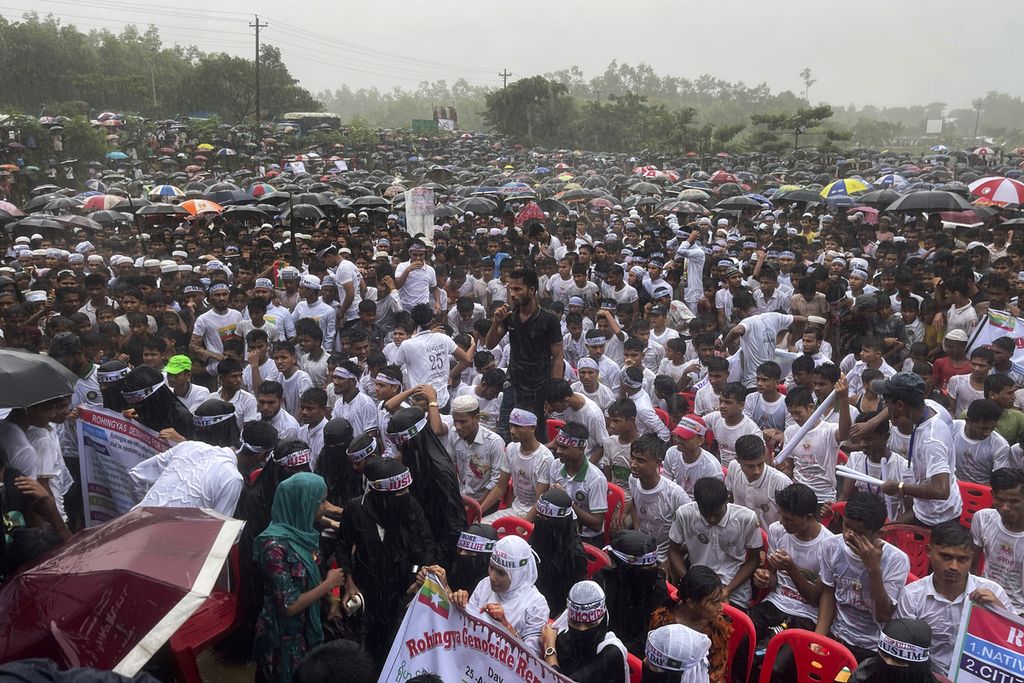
{"type": "Point", "coordinates": [807, 426]}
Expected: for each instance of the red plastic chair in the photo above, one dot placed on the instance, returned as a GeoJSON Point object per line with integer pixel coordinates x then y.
{"type": "Point", "coordinates": [211, 622]}
{"type": "Point", "coordinates": [636, 668]}
{"type": "Point", "coordinates": [818, 658]}
{"type": "Point", "coordinates": [473, 512]}
{"type": "Point", "coordinates": [742, 629]}
{"type": "Point", "coordinates": [553, 427]}
{"type": "Point", "coordinates": [911, 578]}
{"type": "Point", "coordinates": [616, 509]}
{"type": "Point", "coordinates": [672, 591]}
{"type": "Point", "coordinates": [597, 559]}
{"type": "Point", "coordinates": [664, 417]}
{"type": "Point", "coordinates": [513, 525]}
{"type": "Point", "coordinates": [842, 458]}
{"type": "Point", "coordinates": [759, 594]}
{"type": "Point", "coordinates": [976, 497]}
{"type": "Point", "coordinates": [838, 511]}
{"type": "Point", "coordinates": [913, 540]}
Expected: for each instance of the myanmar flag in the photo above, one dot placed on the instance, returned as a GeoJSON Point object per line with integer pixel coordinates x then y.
{"type": "Point", "coordinates": [432, 594]}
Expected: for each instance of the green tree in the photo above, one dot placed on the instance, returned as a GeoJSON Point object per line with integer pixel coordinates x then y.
{"type": "Point", "coordinates": [534, 110]}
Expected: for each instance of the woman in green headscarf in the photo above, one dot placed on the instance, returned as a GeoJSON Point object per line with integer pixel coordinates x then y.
{"type": "Point", "coordinates": [289, 624]}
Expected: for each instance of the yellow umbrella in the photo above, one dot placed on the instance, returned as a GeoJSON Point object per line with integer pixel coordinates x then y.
{"type": "Point", "coordinates": [205, 147]}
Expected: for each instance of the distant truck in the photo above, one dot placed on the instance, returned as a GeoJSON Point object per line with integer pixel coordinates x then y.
{"type": "Point", "coordinates": [307, 121]}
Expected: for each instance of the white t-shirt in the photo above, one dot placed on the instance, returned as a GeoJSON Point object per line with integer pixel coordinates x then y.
{"type": "Point", "coordinates": [321, 313]}
{"type": "Point", "coordinates": [268, 371]}
{"type": "Point", "coordinates": [616, 459]}
{"type": "Point", "coordinates": [626, 295]}
{"type": "Point", "coordinates": [686, 474]}
{"type": "Point", "coordinates": [603, 397]}
{"type": "Point", "coordinates": [975, 460]}
{"type": "Point", "coordinates": [361, 412]}
{"type": "Point", "coordinates": [932, 454]}
{"type": "Point", "coordinates": [1004, 554]}
{"type": "Point", "coordinates": [656, 509]}
{"type": "Point", "coordinates": [767, 415]}
{"type": "Point", "coordinates": [195, 397]}
{"type": "Point", "coordinates": [245, 407]}
{"type": "Point", "coordinates": [478, 462]}
{"type": "Point", "coordinates": [591, 415]}
{"type": "Point", "coordinates": [426, 356]}
{"type": "Point", "coordinates": [815, 458]}
{"type": "Point", "coordinates": [842, 570]}
{"type": "Point", "coordinates": [962, 393]}
{"type": "Point", "coordinates": [588, 489]}
{"type": "Point", "coordinates": [559, 289]}
{"type": "Point", "coordinates": [757, 344]}
{"type": "Point", "coordinates": [294, 386]}
{"type": "Point", "coordinates": [759, 495]}
{"type": "Point", "coordinates": [728, 435]}
{"type": "Point", "coordinates": [416, 289]}
{"type": "Point", "coordinates": [722, 547]}
{"type": "Point", "coordinates": [920, 600]}
{"type": "Point", "coordinates": [807, 555]}
{"type": "Point", "coordinates": [526, 471]}
{"type": "Point", "coordinates": [894, 467]}
{"type": "Point", "coordinates": [348, 272]}
{"type": "Point", "coordinates": [191, 475]}
{"type": "Point", "coordinates": [215, 328]}
{"type": "Point", "coordinates": [51, 464]}
{"type": "Point", "coordinates": [705, 401]}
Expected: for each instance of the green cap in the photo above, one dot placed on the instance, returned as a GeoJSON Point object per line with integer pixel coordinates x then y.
{"type": "Point", "coordinates": [178, 364]}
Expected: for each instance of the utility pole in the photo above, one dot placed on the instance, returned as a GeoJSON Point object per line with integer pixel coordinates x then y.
{"type": "Point", "coordinates": [505, 73]}
{"type": "Point", "coordinates": [257, 25]}
{"type": "Point", "coordinates": [977, 117]}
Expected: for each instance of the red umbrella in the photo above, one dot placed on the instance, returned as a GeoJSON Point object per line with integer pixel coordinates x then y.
{"type": "Point", "coordinates": [530, 212]}
{"type": "Point", "coordinates": [112, 595]}
{"type": "Point", "coordinates": [870, 214]}
{"type": "Point", "coordinates": [720, 177]}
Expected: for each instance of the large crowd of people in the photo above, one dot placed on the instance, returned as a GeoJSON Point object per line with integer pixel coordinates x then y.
{"type": "Point", "coordinates": [668, 383]}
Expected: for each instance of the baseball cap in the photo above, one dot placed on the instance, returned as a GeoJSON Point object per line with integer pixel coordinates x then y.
{"type": "Point", "coordinates": [178, 364]}
{"type": "Point", "coordinates": [902, 385]}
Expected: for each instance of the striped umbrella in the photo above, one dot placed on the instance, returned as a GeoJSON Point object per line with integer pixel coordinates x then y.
{"type": "Point", "coordinates": [844, 188]}
{"type": "Point", "coordinates": [259, 189]}
{"type": "Point", "coordinates": [891, 180]}
{"type": "Point", "coordinates": [165, 193]}
{"type": "Point", "coordinates": [101, 202]}
{"type": "Point", "coordinates": [998, 190]}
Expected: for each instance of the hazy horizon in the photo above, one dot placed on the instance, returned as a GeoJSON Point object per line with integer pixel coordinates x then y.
{"type": "Point", "coordinates": [882, 54]}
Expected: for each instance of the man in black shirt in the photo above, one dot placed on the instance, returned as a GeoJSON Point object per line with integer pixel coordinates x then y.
{"type": "Point", "coordinates": [535, 345]}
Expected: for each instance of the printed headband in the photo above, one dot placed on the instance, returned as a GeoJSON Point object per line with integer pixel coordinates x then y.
{"type": "Point", "coordinates": [112, 376]}
{"type": "Point", "coordinates": [296, 459]}
{"type": "Point", "coordinates": [395, 483]}
{"type": "Point", "coordinates": [661, 660]}
{"type": "Point", "coordinates": [210, 420]}
{"type": "Point", "coordinates": [502, 559]}
{"type": "Point", "coordinates": [387, 379]}
{"type": "Point", "coordinates": [549, 509]}
{"type": "Point", "coordinates": [474, 543]}
{"type": "Point", "coordinates": [193, 289]}
{"type": "Point", "coordinates": [342, 373]}
{"type": "Point", "coordinates": [627, 381]}
{"type": "Point", "coordinates": [564, 439]}
{"type": "Point", "coordinates": [218, 287]}
{"type": "Point", "coordinates": [140, 395]}
{"type": "Point", "coordinates": [522, 418]}
{"type": "Point", "coordinates": [645, 560]}
{"type": "Point", "coordinates": [401, 437]}
{"type": "Point", "coordinates": [898, 649]}
{"type": "Point", "coordinates": [255, 449]}
{"type": "Point", "coordinates": [363, 453]}
{"type": "Point", "coordinates": [586, 613]}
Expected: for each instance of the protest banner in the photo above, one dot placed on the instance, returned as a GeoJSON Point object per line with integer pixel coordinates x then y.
{"type": "Point", "coordinates": [108, 446]}
{"type": "Point", "coordinates": [419, 211]}
{"type": "Point", "coordinates": [990, 647]}
{"type": "Point", "coordinates": [998, 324]}
{"type": "Point", "coordinates": [437, 637]}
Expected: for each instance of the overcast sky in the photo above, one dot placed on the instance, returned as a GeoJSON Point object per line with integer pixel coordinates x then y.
{"type": "Point", "coordinates": [881, 52]}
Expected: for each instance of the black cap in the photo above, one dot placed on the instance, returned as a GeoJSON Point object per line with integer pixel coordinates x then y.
{"type": "Point", "coordinates": [902, 385]}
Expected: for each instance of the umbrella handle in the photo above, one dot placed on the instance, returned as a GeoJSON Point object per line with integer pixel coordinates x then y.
{"type": "Point", "coordinates": [64, 643]}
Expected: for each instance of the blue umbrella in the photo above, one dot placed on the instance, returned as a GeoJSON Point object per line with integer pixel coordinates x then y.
{"type": "Point", "coordinates": [541, 170]}
{"type": "Point", "coordinates": [940, 148]}
{"type": "Point", "coordinates": [117, 155]}
{"type": "Point", "coordinates": [759, 198]}
{"type": "Point", "coordinates": [96, 185]}
{"type": "Point", "coordinates": [892, 180]}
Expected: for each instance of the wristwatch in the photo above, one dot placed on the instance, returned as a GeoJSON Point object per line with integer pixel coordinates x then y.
{"type": "Point", "coordinates": [549, 652]}
{"type": "Point", "coordinates": [901, 487]}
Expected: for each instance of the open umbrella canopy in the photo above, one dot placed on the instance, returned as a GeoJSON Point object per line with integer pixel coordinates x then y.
{"type": "Point", "coordinates": [739, 203]}
{"type": "Point", "coordinates": [112, 595]}
{"type": "Point", "coordinates": [844, 188]}
{"type": "Point", "coordinates": [165, 193]}
{"type": "Point", "coordinates": [1000, 191]}
{"type": "Point", "coordinates": [198, 207]}
{"type": "Point", "coordinates": [930, 200]}
{"type": "Point", "coordinates": [30, 378]}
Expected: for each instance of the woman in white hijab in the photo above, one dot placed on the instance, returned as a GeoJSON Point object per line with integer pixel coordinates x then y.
{"type": "Point", "coordinates": [508, 595]}
{"type": "Point", "coordinates": [676, 654]}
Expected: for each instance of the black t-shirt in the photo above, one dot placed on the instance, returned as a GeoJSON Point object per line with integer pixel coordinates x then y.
{"type": "Point", "coordinates": [530, 343]}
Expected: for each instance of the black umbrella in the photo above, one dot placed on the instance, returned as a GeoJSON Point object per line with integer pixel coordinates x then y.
{"type": "Point", "coordinates": [644, 187]}
{"type": "Point", "coordinates": [444, 211]}
{"type": "Point", "coordinates": [62, 204]}
{"type": "Point", "coordinates": [879, 197]}
{"type": "Point", "coordinates": [30, 378]}
{"type": "Point", "coordinates": [110, 217]}
{"type": "Point", "coordinates": [245, 211]}
{"type": "Point", "coordinates": [931, 200]}
{"type": "Point", "coordinates": [800, 195]}
{"type": "Point", "coordinates": [39, 202]}
{"type": "Point", "coordinates": [478, 205]}
{"type": "Point", "coordinates": [305, 212]}
{"type": "Point", "coordinates": [369, 202]}
{"type": "Point", "coordinates": [739, 203]}
{"type": "Point", "coordinates": [131, 205]}
{"type": "Point", "coordinates": [161, 210]}
{"type": "Point", "coordinates": [79, 223]}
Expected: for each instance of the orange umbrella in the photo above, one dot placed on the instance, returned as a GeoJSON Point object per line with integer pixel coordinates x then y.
{"type": "Point", "coordinates": [196, 207]}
